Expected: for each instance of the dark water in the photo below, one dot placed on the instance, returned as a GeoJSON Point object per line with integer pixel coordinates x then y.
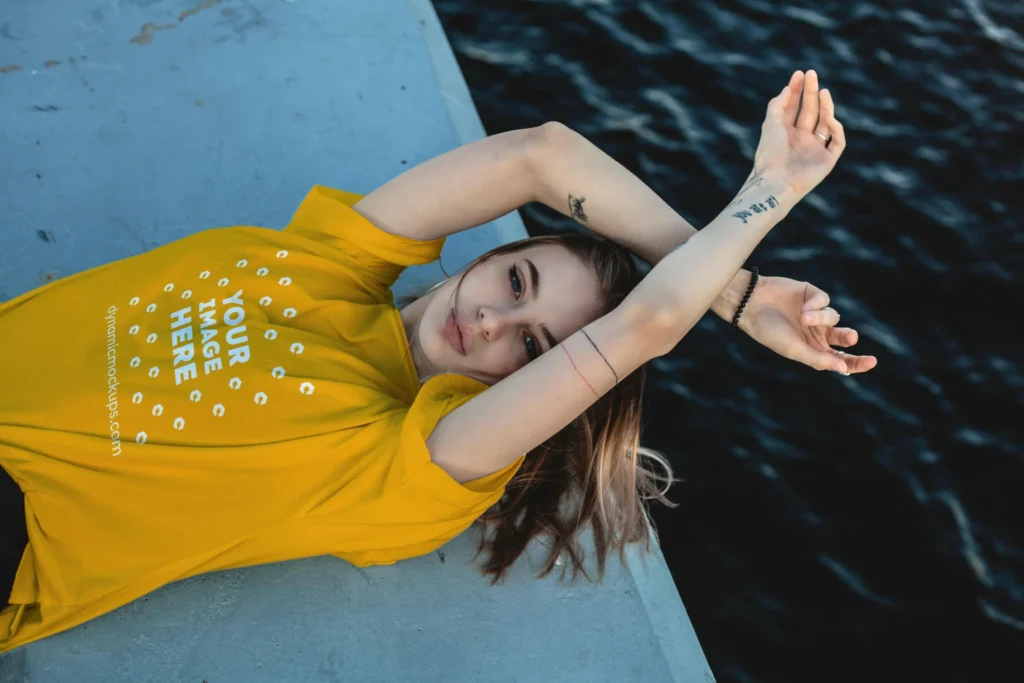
{"type": "Point", "coordinates": [865, 528]}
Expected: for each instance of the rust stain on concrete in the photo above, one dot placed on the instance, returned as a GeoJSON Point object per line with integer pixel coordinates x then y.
{"type": "Point", "coordinates": [197, 9]}
{"type": "Point", "coordinates": [9, 68]}
{"type": "Point", "coordinates": [148, 28]}
{"type": "Point", "coordinates": [51, 63]}
{"type": "Point", "coordinates": [146, 34]}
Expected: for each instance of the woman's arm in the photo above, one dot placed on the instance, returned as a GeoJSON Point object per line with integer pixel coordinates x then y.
{"type": "Point", "coordinates": [532, 404]}
{"type": "Point", "coordinates": [460, 189]}
{"type": "Point", "coordinates": [487, 178]}
{"type": "Point", "coordinates": [615, 203]}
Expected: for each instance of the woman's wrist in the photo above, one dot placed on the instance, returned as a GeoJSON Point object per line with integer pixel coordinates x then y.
{"type": "Point", "coordinates": [773, 183]}
{"type": "Point", "coordinates": [729, 300]}
{"type": "Point", "coordinates": [780, 198]}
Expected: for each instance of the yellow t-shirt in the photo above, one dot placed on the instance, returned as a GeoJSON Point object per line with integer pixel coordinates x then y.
{"type": "Point", "coordinates": [240, 396]}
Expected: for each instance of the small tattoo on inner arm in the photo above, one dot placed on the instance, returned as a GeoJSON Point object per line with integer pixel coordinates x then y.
{"type": "Point", "coordinates": [757, 207]}
{"type": "Point", "coordinates": [576, 208]}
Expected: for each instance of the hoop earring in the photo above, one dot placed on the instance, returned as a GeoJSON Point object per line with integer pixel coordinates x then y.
{"type": "Point", "coordinates": [437, 285]}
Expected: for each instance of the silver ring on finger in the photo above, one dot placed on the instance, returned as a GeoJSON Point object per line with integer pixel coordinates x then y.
{"type": "Point", "coordinates": [842, 353]}
{"type": "Point", "coordinates": [824, 138]}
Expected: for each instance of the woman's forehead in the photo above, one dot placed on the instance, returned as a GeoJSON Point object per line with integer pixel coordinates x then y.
{"type": "Point", "coordinates": [569, 293]}
{"type": "Point", "coordinates": [559, 264]}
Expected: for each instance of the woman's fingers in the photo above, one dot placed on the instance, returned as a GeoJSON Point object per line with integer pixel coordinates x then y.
{"type": "Point", "coordinates": [814, 298]}
{"type": "Point", "coordinates": [828, 120]}
{"type": "Point", "coordinates": [855, 364]}
{"type": "Point", "coordinates": [834, 360]}
{"type": "Point", "coordinates": [776, 107]}
{"type": "Point", "coordinates": [838, 361]}
{"type": "Point", "coordinates": [796, 83]}
{"type": "Point", "coordinates": [807, 119]}
{"type": "Point", "coordinates": [824, 360]}
{"type": "Point", "coordinates": [826, 316]}
{"type": "Point", "coordinates": [841, 336]}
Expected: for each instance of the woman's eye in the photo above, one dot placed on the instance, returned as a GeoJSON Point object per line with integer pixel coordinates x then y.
{"type": "Point", "coordinates": [517, 286]}
{"type": "Point", "coordinates": [531, 348]}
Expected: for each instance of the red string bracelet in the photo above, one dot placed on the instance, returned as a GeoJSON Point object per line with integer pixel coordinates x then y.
{"type": "Point", "coordinates": [578, 370]}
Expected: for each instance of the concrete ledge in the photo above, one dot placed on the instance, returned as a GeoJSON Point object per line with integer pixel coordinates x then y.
{"type": "Point", "coordinates": [227, 115]}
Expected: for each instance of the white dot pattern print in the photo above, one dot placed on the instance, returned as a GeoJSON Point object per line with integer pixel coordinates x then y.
{"type": "Point", "coordinates": [208, 347]}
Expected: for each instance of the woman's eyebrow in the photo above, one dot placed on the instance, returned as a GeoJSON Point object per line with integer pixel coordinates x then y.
{"type": "Point", "coordinates": [534, 279]}
{"type": "Point", "coordinates": [535, 289]}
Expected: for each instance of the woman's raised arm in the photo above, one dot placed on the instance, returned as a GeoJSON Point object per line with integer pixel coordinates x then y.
{"type": "Point", "coordinates": [529, 406]}
{"type": "Point", "coordinates": [488, 178]}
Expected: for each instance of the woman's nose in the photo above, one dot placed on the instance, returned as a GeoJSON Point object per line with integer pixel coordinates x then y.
{"type": "Point", "coordinates": [492, 322]}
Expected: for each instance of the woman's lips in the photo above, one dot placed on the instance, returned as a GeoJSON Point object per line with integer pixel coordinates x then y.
{"type": "Point", "coordinates": [454, 334]}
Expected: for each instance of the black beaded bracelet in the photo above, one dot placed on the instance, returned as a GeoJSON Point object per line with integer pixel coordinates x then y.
{"type": "Point", "coordinates": [746, 297]}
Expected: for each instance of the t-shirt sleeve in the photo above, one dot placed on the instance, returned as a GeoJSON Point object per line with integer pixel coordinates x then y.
{"type": "Point", "coordinates": [326, 216]}
{"type": "Point", "coordinates": [429, 505]}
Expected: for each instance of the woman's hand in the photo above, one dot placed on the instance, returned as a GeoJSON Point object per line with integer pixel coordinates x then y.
{"type": "Point", "coordinates": [801, 140]}
{"type": "Point", "coordinates": [794, 320]}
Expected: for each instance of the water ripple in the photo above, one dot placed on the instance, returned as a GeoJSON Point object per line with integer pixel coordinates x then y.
{"type": "Point", "coordinates": [852, 581]}
{"type": "Point", "coordinates": [968, 546]}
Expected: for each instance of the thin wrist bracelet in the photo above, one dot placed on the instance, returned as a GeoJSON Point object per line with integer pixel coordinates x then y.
{"type": "Point", "coordinates": [746, 297]}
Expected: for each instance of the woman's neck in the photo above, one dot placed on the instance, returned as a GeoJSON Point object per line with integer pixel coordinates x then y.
{"type": "Point", "coordinates": [412, 316]}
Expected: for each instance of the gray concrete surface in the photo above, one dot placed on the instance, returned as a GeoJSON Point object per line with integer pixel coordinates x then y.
{"type": "Point", "coordinates": [127, 124]}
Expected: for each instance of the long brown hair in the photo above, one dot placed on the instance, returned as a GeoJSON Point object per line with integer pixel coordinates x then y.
{"type": "Point", "coordinates": [594, 471]}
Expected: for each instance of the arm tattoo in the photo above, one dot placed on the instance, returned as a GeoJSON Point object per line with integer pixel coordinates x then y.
{"type": "Point", "coordinates": [753, 180]}
{"type": "Point", "coordinates": [757, 207]}
{"type": "Point", "coordinates": [576, 208]}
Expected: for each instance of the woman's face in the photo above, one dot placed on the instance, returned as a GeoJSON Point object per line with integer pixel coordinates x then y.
{"type": "Point", "coordinates": [510, 310]}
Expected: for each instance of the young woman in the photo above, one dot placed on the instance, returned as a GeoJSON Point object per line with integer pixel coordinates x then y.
{"type": "Point", "coordinates": [246, 395]}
